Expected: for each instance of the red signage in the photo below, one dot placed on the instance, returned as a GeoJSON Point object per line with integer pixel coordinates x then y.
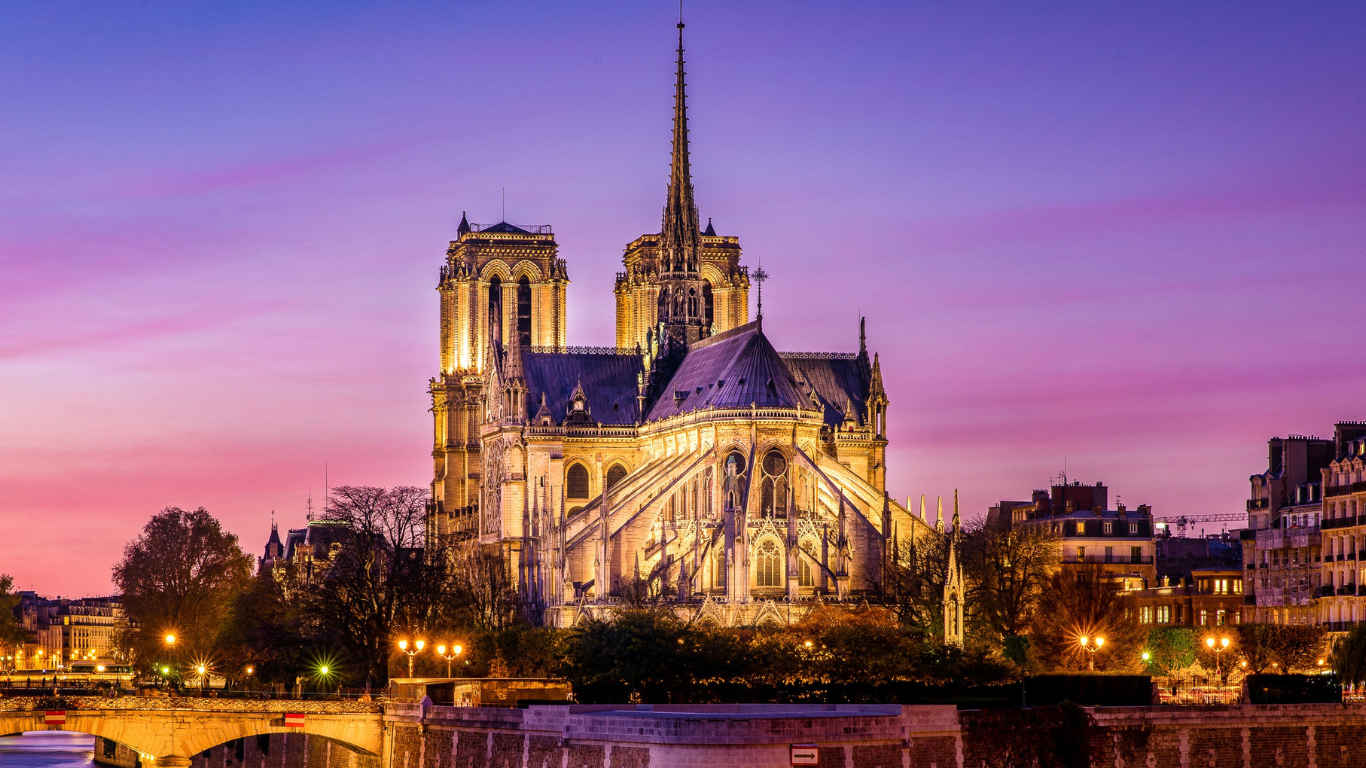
{"type": "Point", "coordinates": [54, 717]}
{"type": "Point", "coordinates": [805, 754]}
{"type": "Point", "coordinates": [294, 721]}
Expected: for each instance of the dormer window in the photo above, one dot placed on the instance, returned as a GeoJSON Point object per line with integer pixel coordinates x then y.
{"type": "Point", "coordinates": [1109, 528]}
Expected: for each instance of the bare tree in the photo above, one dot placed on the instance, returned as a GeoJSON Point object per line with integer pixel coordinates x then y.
{"type": "Point", "coordinates": [484, 593]}
{"type": "Point", "coordinates": [1006, 568]}
{"type": "Point", "coordinates": [913, 582]}
{"type": "Point", "coordinates": [1083, 601]}
{"type": "Point", "coordinates": [385, 579]}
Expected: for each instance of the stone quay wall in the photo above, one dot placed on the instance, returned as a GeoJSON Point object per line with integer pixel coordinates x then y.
{"type": "Point", "coordinates": [851, 736]}
{"type": "Point", "coordinates": [282, 750]}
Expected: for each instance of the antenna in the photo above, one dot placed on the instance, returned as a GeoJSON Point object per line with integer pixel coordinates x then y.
{"type": "Point", "coordinates": [505, 204]}
{"type": "Point", "coordinates": [327, 488]}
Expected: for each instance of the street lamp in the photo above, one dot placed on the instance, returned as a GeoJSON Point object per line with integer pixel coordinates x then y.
{"type": "Point", "coordinates": [455, 651]}
{"type": "Point", "coordinates": [1218, 648]}
{"type": "Point", "coordinates": [417, 648]}
{"type": "Point", "coordinates": [1091, 645]}
{"type": "Point", "coordinates": [170, 640]}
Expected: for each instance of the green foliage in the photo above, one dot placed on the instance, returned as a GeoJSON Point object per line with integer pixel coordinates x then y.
{"type": "Point", "coordinates": [1015, 648]}
{"type": "Point", "coordinates": [1006, 568]}
{"type": "Point", "coordinates": [12, 633]}
{"type": "Point", "coordinates": [1280, 647]}
{"type": "Point", "coordinates": [832, 656]}
{"type": "Point", "coordinates": [1170, 649]}
{"type": "Point", "coordinates": [1349, 657]}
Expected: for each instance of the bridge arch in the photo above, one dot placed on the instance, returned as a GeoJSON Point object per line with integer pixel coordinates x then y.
{"type": "Point", "coordinates": [174, 736]}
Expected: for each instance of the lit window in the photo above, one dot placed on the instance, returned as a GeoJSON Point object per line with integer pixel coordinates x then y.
{"type": "Point", "coordinates": [1203, 617]}
{"type": "Point", "coordinates": [1133, 529]}
{"type": "Point", "coordinates": [1164, 614]}
{"type": "Point", "coordinates": [1145, 614]}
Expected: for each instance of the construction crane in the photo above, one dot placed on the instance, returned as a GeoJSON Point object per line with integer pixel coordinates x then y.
{"type": "Point", "coordinates": [1184, 520]}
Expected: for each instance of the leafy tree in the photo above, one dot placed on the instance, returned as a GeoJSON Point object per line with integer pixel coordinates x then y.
{"type": "Point", "coordinates": [266, 630]}
{"type": "Point", "coordinates": [384, 580]}
{"type": "Point", "coordinates": [1349, 657]}
{"type": "Point", "coordinates": [1171, 649]}
{"type": "Point", "coordinates": [1006, 567]}
{"type": "Point", "coordinates": [1083, 601]}
{"type": "Point", "coordinates": [179, 577]}
{"type": "Point", "coordinates": [1280, 647]}
{"type": "Point", "coordinates": [12, 633]}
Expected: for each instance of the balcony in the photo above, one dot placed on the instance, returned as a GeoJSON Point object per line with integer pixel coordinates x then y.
{"type": "Point", "coordinates": [1249, 599]}
{"type": "Point", "coordinates": [1270, 539]}
{"type": "Point", "coordinates": [1256, 504]}
{"type": "Point", "coordinates": [1112, 560]}
{"type": "Point", "coordinates": [1338, 522]}
{"type": "Point", "coordinates": [1344, 490]}
{"type": "Point", "coordinates": [1305, 537]}
{"type": "Point", "coordinates": [1326, 591]}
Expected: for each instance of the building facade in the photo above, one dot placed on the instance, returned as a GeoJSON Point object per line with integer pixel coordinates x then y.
{"type": "Point", "coordinates": [64, 632]}
{"type": "Point", "coordinates": [1304, 541]}
{"type": "Point", "coordinates": [1210, 598]}
{"type": "Point", "coordinates": [1120, 541]}
{"type": "Point", "coordinates": [692, 456]}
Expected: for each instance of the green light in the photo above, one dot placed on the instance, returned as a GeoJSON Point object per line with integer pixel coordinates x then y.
{"type": "Point", "coordinates": [165, 670]}
{"type": "Point", "coordinates": [1146, 656]}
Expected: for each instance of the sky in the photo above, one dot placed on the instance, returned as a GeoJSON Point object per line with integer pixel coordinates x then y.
{"type": "Point", "coordinates": [1124, 240]}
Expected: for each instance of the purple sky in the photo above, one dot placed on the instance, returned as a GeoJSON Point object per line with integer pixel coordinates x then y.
{"type": "Point", "coordinates": [1128, 236]}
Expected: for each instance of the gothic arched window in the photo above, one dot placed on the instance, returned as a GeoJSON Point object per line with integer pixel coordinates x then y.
{"type": "Point", "coordinates": [735, 466]}
{"type": "Point", "coordinates": [615, 475]}
{"type": "Point", "coordinates": [576, 482]}
{"type": "Point", "coordinates": [769, 563]}
{"type": "Point", "coordinates": [708, 305]}
{"type": "Point", "coordinates": [692, 303]}
{"type": "Point", "coordinates": [524, 310]}
{"type": "Point", "coordinates": [663, 311]}
{"type": "Point", "coordinates": [774, 499]}
{"type": "Point", "coordinates": [496, 309]}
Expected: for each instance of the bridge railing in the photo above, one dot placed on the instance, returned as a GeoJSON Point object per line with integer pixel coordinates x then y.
{"type": "Point", "coordinates": [292, 706]}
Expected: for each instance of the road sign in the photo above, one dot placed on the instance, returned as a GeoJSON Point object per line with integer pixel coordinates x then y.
{"type": "Point", "coordinates": [57, 717]}
{"type": "Point", "coordinates": [805, 754]}
{"type": "Point", "coordinates": [294, 721]}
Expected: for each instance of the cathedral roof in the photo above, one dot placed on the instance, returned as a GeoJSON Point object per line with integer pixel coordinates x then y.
{"type": "Point", "coordinates": [839, 381]}
{"type": "Point", "coordinates": [730, 370]}
{"type": "Point", "coordinates": [503, 226]}
{"type": "Point", "coordinates": [608, 380]}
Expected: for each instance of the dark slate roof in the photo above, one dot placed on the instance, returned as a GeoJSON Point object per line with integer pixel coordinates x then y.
{"type": "Point", "coordinates": [730, 370]}
{"type": "Point", "coordinates": [838, 382]}
{"type": "Point", "coordinates": [503, 226]}
{"type": "Point", "coordinates": [607, 379]}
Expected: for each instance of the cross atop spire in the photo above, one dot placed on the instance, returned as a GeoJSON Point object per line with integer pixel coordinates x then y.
{"type": "Point", "coordinates": [680, 236]}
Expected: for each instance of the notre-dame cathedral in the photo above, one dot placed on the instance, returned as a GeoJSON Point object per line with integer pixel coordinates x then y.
{"type": "Point", "coordinates": [745, 483]}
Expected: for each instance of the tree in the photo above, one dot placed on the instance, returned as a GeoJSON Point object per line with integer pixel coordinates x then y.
{"type": "Point", "coordinates": [1171, 649]}
{"type": "Point", "coordinates": [913, 582]}
{"type": "Point", "coordinates": [385, 579]}
{"type": "Point", "coordinates": [1083, 601]}
{"type": "Point", "coordinates": [1349, 657]}
{"type": "Point", "coordinates": [12, 633]}
{"type": "Point", "coordinates": [179, 577]}
{"type": "Point", "coordinates": [1280, 647]}
{"type": "Point", "coordinates": [1006, 567]}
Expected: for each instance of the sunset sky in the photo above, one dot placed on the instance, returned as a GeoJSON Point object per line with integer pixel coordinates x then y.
{"type": "Point", "coordinates": [1130, 237]}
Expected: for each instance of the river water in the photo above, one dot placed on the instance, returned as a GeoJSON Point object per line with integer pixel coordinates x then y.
{"type": "Point", "coordinates": [47, 749]}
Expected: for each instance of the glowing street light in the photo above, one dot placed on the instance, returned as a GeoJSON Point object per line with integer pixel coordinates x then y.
{"type": "Point", "coordinates": [417, 648]}
{"type": "Point", "coordinates": [1091, 645]}
{"type": "Point", "coordinates": [170, 640]}
{"type": "Point", "coordinates": [455, 651]}
{"type": "Point", "coordinates": [1218, 648]}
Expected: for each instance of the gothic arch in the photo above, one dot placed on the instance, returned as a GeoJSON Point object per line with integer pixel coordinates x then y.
{"type": "Point", "coordinates": [577, 482]}
{"type": "Point", "coordinates": [616, 473]}
{"type": "Point", "coordinates": [528, 269]}
{"type": "Point", "coordinates": [496, 268]}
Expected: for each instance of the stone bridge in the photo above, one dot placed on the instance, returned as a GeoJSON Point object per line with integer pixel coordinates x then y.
{"type": "Point", "coordinates": [173, 730]}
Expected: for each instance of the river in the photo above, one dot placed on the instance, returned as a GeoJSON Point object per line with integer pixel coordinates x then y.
{"type": "Point", "coordinates": [47, 749]}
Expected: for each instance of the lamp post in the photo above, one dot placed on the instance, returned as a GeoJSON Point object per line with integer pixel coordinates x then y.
{"type": "Point", "coordinates": [1218, 648]}
{"type": "Point", "coordinates": [1091, 645]}
{"type": "Point", "coordinates": [449, 657]}
{"type": "Point", "coordinates": [417, 648]}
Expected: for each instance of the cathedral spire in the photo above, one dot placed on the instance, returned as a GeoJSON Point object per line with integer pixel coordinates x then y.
{"type": "Point", "coordinates": [680, 236]}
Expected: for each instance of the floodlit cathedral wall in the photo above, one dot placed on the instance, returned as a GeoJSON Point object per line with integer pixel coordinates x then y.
{"type": "Point", "coordinates": [691, 458]}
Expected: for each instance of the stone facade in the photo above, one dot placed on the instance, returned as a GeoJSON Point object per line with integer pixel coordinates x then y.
{"type": "Point", "coordinates": [1304, 548]}
{"type": "Point", "coordinates": [693, 457]}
